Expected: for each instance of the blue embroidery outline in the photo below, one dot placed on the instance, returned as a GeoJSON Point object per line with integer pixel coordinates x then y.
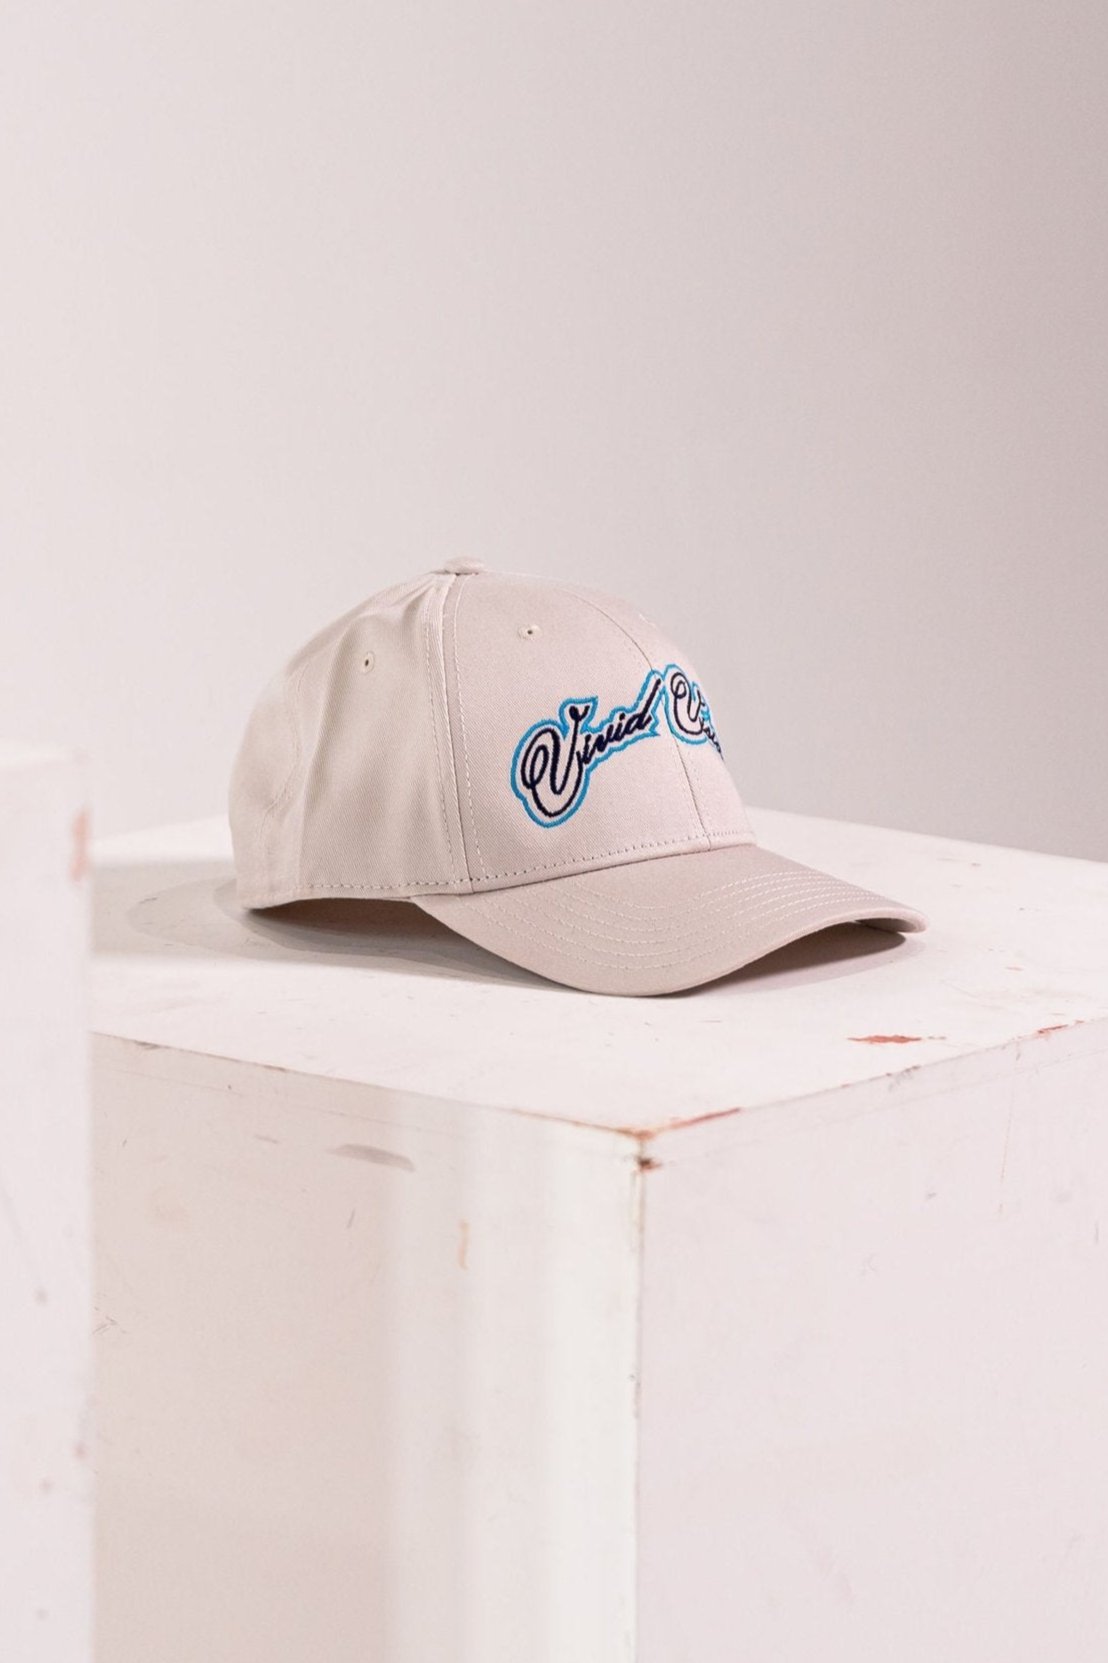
{"type": "Point", "coordinates": [588, 726]}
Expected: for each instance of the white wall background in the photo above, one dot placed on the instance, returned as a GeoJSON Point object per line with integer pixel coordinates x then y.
{"type": "Point", "coordinates": [789, 321]}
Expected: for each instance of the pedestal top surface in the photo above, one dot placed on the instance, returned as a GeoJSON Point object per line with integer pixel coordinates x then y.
{"type": "Point", "coordinates": [381, 994]}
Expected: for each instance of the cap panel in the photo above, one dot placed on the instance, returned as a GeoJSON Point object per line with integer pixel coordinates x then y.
{"type": "Point", "coordinates": [263, 804]}
{"type": "Point", "coordinates": [375, 810]}
{"type": "Point", "coordinates": [340, 788]}
{"type": "Point", "coordinates": [261, 780]}
{"type": "Point", "coordinates": [565, 756]}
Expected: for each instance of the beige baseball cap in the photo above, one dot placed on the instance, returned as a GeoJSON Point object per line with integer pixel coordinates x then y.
{"type": "Point", "coordinates": [534, 764]}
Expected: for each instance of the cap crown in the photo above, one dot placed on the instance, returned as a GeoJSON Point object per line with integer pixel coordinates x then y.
{"type": "Point", "coordinates": [475, 730]}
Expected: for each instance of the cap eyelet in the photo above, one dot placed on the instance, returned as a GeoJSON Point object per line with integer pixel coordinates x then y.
{"type": "Point", "coordinates": [368, 662]}
{"type": "Point", "coordinates": [528, 630]}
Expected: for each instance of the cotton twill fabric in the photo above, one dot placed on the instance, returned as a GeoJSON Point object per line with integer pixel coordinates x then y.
{"type": "Point", "coordinates": [660, 925]}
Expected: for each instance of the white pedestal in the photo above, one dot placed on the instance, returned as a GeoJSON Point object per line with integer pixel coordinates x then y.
{"type": "Point", "coordinates": [449, 1316]}
{"type": "Point", "coordinates": [45, 1259]}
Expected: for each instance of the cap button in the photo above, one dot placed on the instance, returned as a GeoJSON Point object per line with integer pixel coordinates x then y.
{"type": "Point", "coordinates": [461, 565]}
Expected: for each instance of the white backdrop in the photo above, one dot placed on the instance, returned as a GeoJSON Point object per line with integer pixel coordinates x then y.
{"type": "Point", "coordinates": [789, 321]}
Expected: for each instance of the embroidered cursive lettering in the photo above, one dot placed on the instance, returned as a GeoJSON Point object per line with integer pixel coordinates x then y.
{"type": "Point", "coordinates": [554, 760]}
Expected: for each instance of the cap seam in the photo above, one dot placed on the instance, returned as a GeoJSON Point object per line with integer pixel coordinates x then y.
{"type": "Point", "coordinates": [443, 886]}
{"type": "Point", "coordinates": [460, 578]}
{"type": "Point", "coordinates": [331, 676]}
{"type": "Point", "coordinates": [291, 692]}
{"type": "Point", "coordinates": [364, 892]}
{"type": "Point", "coordinates": [610, 854]}
{"type": "Point", "coordinates": [432, 593]}
{"type": "Point", "coordinates": [647, 659]}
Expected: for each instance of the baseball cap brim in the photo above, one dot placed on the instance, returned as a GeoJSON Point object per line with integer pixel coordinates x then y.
{"type": "Point", "coordinates": [657, 926]}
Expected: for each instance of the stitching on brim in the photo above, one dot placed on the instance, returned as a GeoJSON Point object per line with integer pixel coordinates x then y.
{"type": "Point", "coordinates": [581, 901]}
{"type": "Point", "coordinates": [576, 924]}
{"type": "Point", "coordinates": [648, 960]}
{"type": "Point", "coordinates": [754, 887]}
{"type": "Point", "coordinates": [752, 884]}
{"type": "Point", "coordinates": [749, 900]}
